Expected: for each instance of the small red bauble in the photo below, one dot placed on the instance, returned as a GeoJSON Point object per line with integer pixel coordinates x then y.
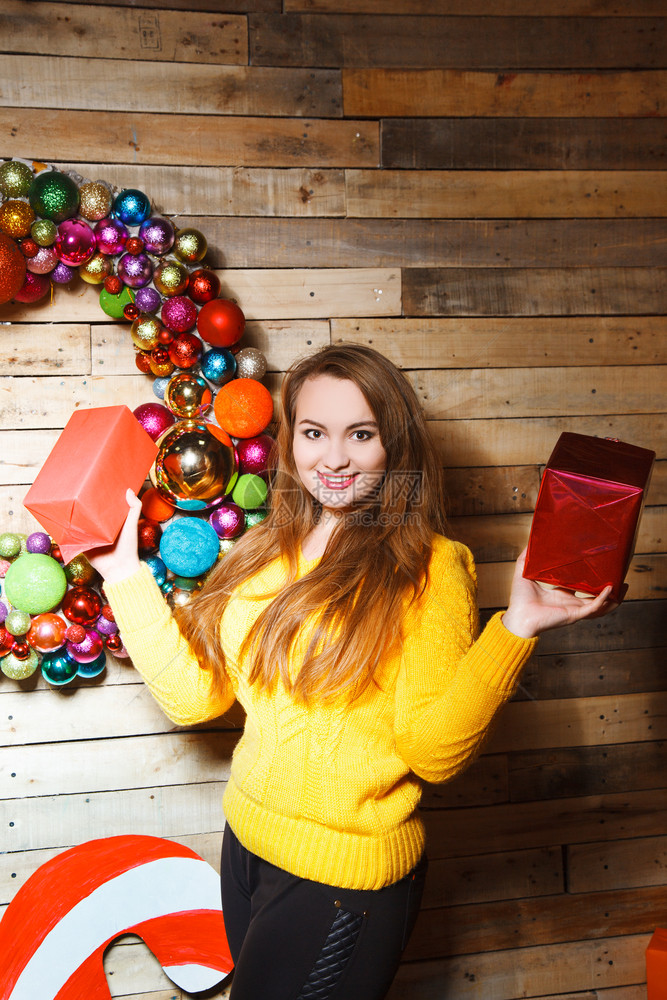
{"type": "Point", "coordinates": [185, 350]}
{"type": "Point", "coordinates": [21, 650]}
{"type": "Point", "coordinates": [75, 633]}
{"type": "Point", "coordinates": [148, 534]}
{"type": "Point", "coordinates": [113, 642]}
{"type": "Point", "coordinates": [56, 553]}
{"type": "Point", "coordinates": [6, 641]}
{"type": "Point", "coordinates": [165, 336]}
{"type": "Point", "coordinates": [113, 284]}
{"type": "Point", "coordinates": [130, 312]}
{"type": "Point", "coordinates": [142, 360]}
{"type": "Point", "coordinates": [220, 322]}
{"type": "Point", "coordinates": [108, 613]}
{"type": "Point", "coordinates": [135, 246]}
{"type": "Point", "coordinates": [29, 248]}
{"type": "Point", "coordinates": [203, 285]}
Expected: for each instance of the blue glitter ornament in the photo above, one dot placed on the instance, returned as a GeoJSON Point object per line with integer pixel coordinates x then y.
{"type": "Point", "coordinates": [94, 668]}
{"type": "Point", "coordinates": [157, 568]}
{"type": "Point", "coordinates": [189, 547]}
{"type": "Point", "coordinates": [132, 207]}
{"type": "Point", "coordinates": [160, 386]}
{"type": "Point", "coordinates": [218, 365]}
{"type": "Point", "coordinates": [58, 668]}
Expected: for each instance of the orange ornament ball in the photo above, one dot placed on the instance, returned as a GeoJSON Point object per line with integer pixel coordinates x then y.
{"type": "Point", "coordinates": [243, 407]}
{"type": "Point", "coordinates": [220, 322]}
{"type": "Point", "coordinates": [12, 268]}
{"type": "Point", "coordinates": [155, 507]}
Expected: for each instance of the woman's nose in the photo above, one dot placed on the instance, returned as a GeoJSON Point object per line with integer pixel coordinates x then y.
{"type": "Point", "coordinates": [336, 456]}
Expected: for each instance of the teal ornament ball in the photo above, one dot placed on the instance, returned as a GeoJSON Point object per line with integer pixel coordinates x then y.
{"type": "Point", "coordinates": [18, 670]}
{"type": "Point", "coordinates": [250, 491]}
{"type": "Point", "coordinates": [35, 583]}
{"type": "Point", "coordinates": [58, 668]}
{"type": "Point", "coordinates": [131, 206]}
{"type": "Point", "coordinates": [54, 196]}
{"type": "Point", "coordinates": [94, 668]}
{"type": "Point", "coordinates": [189, 547]}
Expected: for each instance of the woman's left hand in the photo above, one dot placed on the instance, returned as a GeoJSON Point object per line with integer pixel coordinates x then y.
{"type": "Point", "coordinates": [534, 609]}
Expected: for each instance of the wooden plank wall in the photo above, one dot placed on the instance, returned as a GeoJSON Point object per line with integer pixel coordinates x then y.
{"type": "Point", "coordinates": [477, 189]}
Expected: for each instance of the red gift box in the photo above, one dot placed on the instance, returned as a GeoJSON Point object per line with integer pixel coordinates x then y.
{"type": "Point", "coordinates": [587, 513]}
{"type": "Point", "coordinates": [656, 966]}
{"type": "Point", "coordinates": [79, 494]}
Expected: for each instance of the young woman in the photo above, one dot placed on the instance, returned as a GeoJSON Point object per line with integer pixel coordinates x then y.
{"type": "Point", "coordinates": [346, 625]}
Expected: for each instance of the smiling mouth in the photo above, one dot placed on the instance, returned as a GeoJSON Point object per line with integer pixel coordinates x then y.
{"type": "Point", "coordinates": [337, 482]}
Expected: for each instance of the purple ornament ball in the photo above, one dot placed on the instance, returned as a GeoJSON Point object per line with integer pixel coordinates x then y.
{"type": "Point", "coordinates": [157, 235]}
{"type": "Point", "coordinates": [110, 236]}
{"type": "Point", "coordinates": [62, 274]}
{"type": "Point", "coordinates": [228, 520]}
{"type": "Point", "coordinates": [105, 627]}
{"type": "Point", "coordinates": [38, 541]}
{"type": "Point", "coordinates": [254, 454]}
{"type": "Point", "coordinates": [154, 418]}
{"type": "Point", "coordinates": [135, 270]}
{"type": "Point", "coordinates": [147, 300]}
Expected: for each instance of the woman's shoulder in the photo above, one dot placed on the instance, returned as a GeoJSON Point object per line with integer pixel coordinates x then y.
{"type": "Point", "coordinates": [449, 554]}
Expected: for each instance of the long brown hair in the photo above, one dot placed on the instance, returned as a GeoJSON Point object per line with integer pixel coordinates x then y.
{"type": "Point", "coordinates": [376, 558]}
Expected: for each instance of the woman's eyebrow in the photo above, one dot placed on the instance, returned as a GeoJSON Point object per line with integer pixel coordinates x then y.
{"type": "Point", "coordinates": [350, 427]}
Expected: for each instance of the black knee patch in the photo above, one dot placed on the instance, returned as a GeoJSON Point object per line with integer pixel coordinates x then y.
{"type": "Point", "coordinates": [333, 958]}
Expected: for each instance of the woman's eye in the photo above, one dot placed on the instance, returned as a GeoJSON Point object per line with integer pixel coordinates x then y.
{"type": "Point", "coordinates": [362, 435]}
{"type": "Point", "coordinates": [312, 434]}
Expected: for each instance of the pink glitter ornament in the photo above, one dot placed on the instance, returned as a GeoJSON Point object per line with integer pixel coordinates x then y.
{"type": "Point", "coordinates": [179, 314]}
{"type": "Point", "coordinates": [43, 262]}
{"type": "Point", "coordinates": [154, 418]}
{"type": "Point", "coordinates": [110, 236]}
{"type": "Point", "coordinates": [228, 520]}
{"type": "Point", "coordinates": [87, 650]}
{"type": "Point", "coordinates": [75, 242]}
{"type": "Point", "coordinates": [254, 454]}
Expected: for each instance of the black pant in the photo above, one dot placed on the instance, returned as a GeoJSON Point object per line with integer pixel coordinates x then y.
{"type": "Point", "coordinates": [293, 939]}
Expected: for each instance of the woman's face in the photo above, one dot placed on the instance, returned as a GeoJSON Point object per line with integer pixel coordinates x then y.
{"type": "Point", "coordinates": [337, 449]}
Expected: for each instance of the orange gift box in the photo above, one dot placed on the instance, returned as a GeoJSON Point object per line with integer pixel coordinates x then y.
{"type": "Point", "coordinates": [656, 966]}
{"type": "Point", "coordinates": [79, 494]}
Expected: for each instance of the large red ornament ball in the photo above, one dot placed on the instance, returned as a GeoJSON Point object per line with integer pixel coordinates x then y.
{"type": "Point", "coordinates": [82, 605]}
{"type": "Point", "coordinates": [12, 268]}
{"type": "Point", "coordinates": [243, 407]}
{"type": "Point", "coordinates": [221, 322]}
{"type": "Point", "coordinates": [203, 285]}
{"type": "Point", "coordinates": [34, 288]}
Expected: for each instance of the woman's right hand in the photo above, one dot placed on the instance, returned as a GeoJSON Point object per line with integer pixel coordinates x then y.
{"type": "Point", "coordinates": [120, 560]}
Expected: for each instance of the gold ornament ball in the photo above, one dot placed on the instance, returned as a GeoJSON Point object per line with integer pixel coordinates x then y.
{"type": "Point", "coordinates": [15, 179]}
{"type": "Point", "coordinates": [187, 395]}
{"type": "Point", "coordinates": [79, 571]}
{"type": "Point", "coordinates": [16, 218]}
{"type": "Point", "coordinates": [44, 232]}
{"type": "Point", "coordinates": [95, 270]}
{"type": "Point", "coordinates": [145, 331]}
{"type": "Point", "coordinates": [96, 201]}
{"type": "Point", "coordinates": [171, 278]}
{"type": "Point", "coordinates": [250, 363]}
{"type": "Point", "coordinates": [190, 246]}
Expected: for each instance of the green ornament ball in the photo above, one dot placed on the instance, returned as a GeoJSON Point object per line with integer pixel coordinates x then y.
{"type": "Point", "coordinates": [18, 670]}
{"type": "Point", "coordinates": [17, 622]}
{"type": "Point", "coordinates": [54, 195]}
{"type": "Point", "coordinates": [10, 545]}
{"type": "Point", "coordinates": [15, 179]}
{"type": "Point", "coordinates": [35, 583]}
{"type": "Point", "coordinates": [113, 305]}
{"type": "Point", "coordinates": [44, 232]}
{"type": "Point", "coordinates": [250, 491]}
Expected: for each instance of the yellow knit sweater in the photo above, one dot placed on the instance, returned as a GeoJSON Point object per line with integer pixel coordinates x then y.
{"type": "Point", "coordinates": [330, 791]}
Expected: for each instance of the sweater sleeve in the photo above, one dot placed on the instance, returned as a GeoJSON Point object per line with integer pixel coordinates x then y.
{"type": "Point", "coordinates": [451, 684]}
{"type": "Point", "coordinates": [160, 653]}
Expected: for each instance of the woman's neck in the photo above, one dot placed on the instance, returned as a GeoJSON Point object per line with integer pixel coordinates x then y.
{"type": "Point", "coordinates": [317, 539]}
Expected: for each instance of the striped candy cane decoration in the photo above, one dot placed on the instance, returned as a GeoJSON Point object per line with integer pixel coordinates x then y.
{"type": "Point", "coordinates": [54, 932]}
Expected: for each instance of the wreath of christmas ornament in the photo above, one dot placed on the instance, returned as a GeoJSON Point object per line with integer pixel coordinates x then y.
{"type": "Point", "coordinates": [210, 408]}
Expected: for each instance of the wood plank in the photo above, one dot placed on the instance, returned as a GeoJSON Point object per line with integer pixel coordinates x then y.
{"type": "Point", "coordinates": [280, 342]}
{"type": "Point", "coordinates": [110, 84]}
{"type": "Point", "coordinates": [483, 783]}
{"type": "Point", "coordinates": [32, 349]}
{"type": "Point", "coordinates": [262, 293]}
{"type": "Point", "coordinates": [513, 342]}
{"type": "Point", "coordinates": [557, 291]}
{"type": "Point", "coordinates": [513, 875]}
{"type": "Point", "coordinates": [620, 865]}
{"type": "Point", "coordinates": [130, 966]}
{"type": "Point", "coordinates": [594, 673]}
{"type": "Point", "coordinates": [539, 392]}
{"type": "Point", "coordinates": [189, 36]}
{"type": "Point", "coordinates": [396, 93]}
{"type": "Point", "coordinates": [533, 921]}
{"type": "Point", "coordinates": [216, 6]}
{"type": "Point", "coordinates": [463, 42]}
{"type": "Point", "coordinates": [407, 243]}
{"type": "Point", "coordinates": [507, 8]}
{"type": "Point", "coordinates": [456, 833]}
{"type": "Point", "coordinates": [500, 194]}
{"type": "Point", "coordinates": [635, 625]}
{"type": "Point", "coordinates": [470, 443]}
{"type": "Point", "coordinates": [49, 400]}
{"type": "Point", "coordinates": [212, 139]}
{"type": "Point", "coordinates": [526, 972]}
{"type": "Point", "coordinates": [580, 722]}
{"type": "Point", "coordinates": [167, 759]}
{"type": "Point", "coordinates": [58, 820]}
{"type": "Point", "coordinates": [491, 491]}
{"type": "Point", "coordinates": [560, 773]}
{"type": "Point", "coordinates": [518, 143]}
{"type": "Point", "coordinates": [179, 190]}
